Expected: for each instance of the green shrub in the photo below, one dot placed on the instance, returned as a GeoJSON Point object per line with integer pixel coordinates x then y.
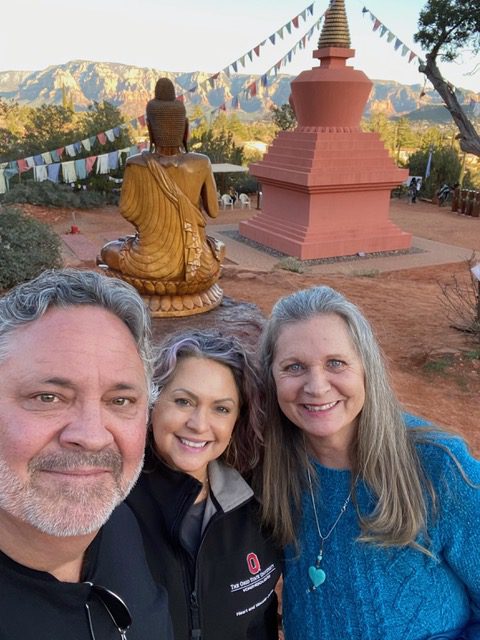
{"type": "Point", "coordinates": [27, 247]}
{"type": "Point", "coordinates": [445, 168]}
{"type": "Point", "coordinates": [244, 183]}
{"type": "Point", "coordinates": [43, 193]}
{"type": "Point", "coordinates": [94, 199]}
{"type": "Point", "coordinates": [50, 194]}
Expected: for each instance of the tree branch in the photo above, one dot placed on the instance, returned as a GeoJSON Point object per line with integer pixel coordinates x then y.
{"type": "Point", "coordinates": [468, 137]}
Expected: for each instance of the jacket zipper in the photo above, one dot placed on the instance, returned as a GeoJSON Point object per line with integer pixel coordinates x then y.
{"type": "Point", "coordinates": [196, 633]}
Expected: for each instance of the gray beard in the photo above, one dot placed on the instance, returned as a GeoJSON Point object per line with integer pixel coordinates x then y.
{"type": "Point", "coordinates": [64, 509]}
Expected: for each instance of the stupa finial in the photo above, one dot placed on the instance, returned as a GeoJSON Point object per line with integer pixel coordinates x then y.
{"type": "Point", "coordinates": [335, 32]}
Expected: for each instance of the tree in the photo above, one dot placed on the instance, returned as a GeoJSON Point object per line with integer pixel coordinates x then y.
{"type": "Point", "coordinates": [404, 137]}
{"type": "Point", "coordinates": [284, 117]}
{"type": "Point", "coordinates": [219, 148]}
{"type": "Point", "coordinates": [100, 117]}
{"type": "Point", "coordinates": [395, 134]}
{"type": "Point", "coordinates": [436, 137]}
{"type": "Point", "coordinates": [8, 143]}
{"type": "Point", "coordinates": [231, 123]}
{"type": "Point", "coordinates": [379, 123]}
{"type": "Point", "coordinates": [445, 27]}
{"type": "Point", "coordinates": [12, 120]}
{"type": "Point", "coordinates": [445, 168]}
{"type": "Point", "coordinates": [48, 127]}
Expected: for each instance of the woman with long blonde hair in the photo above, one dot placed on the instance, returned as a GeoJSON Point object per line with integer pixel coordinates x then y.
{"type": "Point", "coordinates": [379, 514]}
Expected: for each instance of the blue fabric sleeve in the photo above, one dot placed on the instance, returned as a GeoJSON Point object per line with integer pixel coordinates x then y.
{"type": "Point", "coordinates": [460, 518]}
{"type": "Point", "coordinates": [460, 524]}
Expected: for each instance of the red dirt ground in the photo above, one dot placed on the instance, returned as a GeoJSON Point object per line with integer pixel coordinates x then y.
{"type": "Point", "coordinates": [435, 368]}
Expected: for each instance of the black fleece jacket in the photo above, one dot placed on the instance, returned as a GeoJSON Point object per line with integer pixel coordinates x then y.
{"type": "Point", "coordinates": [227, 591]}
{"type": "Point", "coordinates": [34, 605]}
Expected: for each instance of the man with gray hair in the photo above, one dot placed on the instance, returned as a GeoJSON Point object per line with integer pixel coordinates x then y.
{"type": "Point", "coordinates": [76, 383]}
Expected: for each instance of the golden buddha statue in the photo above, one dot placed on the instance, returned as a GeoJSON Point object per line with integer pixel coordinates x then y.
{"type": "Point", "coordinates": [170, 260]}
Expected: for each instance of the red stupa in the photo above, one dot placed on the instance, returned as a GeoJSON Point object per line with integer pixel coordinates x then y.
{"type": "Point", "coordinates": [326, 185]}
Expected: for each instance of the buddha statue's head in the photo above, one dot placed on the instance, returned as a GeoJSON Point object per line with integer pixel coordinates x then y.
{"type": "Point", "coordinates": [166, 117]}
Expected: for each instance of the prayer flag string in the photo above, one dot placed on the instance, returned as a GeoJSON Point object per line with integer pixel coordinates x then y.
{"type": "Point", "coordinates": [382, 29]}
{"type": "Point", "coordinates": [53, 157]}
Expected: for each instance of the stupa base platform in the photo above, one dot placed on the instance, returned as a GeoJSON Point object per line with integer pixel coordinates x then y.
{"type": "Point", "coordinates": [325, 245]}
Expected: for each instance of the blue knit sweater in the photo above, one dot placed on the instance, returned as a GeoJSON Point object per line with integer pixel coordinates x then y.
{"type": "Point", "coordinates": [375, 593]}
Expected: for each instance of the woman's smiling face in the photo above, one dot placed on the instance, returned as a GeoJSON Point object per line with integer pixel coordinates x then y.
{"type": "Point", "coordinates": [194, 417]}
{"type": "Point", "coordinates": [320, 382]}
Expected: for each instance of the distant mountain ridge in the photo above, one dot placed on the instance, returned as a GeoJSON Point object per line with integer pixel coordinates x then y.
{"type": "Point", "coordinates": [130, 87]}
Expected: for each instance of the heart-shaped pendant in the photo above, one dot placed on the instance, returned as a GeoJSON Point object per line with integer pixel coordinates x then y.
{"type": "Point", "coordinates": [317, 576]}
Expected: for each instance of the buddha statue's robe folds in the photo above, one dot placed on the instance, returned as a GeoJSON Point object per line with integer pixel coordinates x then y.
{"type": "Point", "coordinates": [170, 260]}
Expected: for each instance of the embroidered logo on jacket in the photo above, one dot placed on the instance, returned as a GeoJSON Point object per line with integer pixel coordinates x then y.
{"type": "Point", "coordinates": [253, 564]}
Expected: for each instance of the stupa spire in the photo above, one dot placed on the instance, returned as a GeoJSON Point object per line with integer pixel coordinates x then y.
{"type": "Point", "coordinates": [335, 32]}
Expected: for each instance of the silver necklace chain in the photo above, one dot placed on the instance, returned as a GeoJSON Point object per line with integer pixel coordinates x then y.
{"type": "Point", "coordinates": [316, 574]}
{"type": "Point", "coordinates": [342, 510]}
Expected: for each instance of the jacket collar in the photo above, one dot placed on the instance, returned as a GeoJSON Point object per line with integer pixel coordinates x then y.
{"type": "Point", "coordinates": [228, 487]}
{"type": "Point", "coordinates": [177, 489]}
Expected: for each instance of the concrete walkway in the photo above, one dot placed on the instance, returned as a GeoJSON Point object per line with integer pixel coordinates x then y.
{"type": "Point", "coordinates": [425, 253]}
{"type": "Point", "coordinates": [99, 228]}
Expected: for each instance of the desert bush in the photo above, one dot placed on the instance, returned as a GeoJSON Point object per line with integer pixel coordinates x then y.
{"type": "Point", "coordinates": [366, 273]}
{"type": "Point", "coordinates": [94, 199]}
{"type": "Point", "coordinates": [27, 247]}
{"type": "Point", "coordinates": [43, 193]}
{"type": "Point", "coordinates": [290, 263]}
{"type": "Point", "coordinates": [50, 194]}
{"type": "Point", "coordinates": [461, 301]}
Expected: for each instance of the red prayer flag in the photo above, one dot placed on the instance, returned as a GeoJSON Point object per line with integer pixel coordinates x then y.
{"type": "Point", "coordinates": [257, 50]}
{"type": "Point", "coordinates": [376, 24]}
{"type": "Point", "coordinates": [141, 120]}
{"type": "Point", "coordinates": [102, 138]}
{"type": "Point", "coordinates": [412, 56]}
{"type": "Point", "coordinates": [22, 165]}
{"type": "Point", "coordinates": [295, 22]}
{"type": "Point", "coordinates": [89, 162]}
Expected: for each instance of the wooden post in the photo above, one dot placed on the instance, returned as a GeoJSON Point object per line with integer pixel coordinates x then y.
{"type": "Point", "coordinates": [456, 199]}
{"type": "Point", "coordinates": [470, 200]}
{"type": "Point", "coordinates": [476, 205]}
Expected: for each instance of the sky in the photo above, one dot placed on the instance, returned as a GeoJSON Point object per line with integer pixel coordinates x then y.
{"type": "Point", "coordinates": [207, 35]}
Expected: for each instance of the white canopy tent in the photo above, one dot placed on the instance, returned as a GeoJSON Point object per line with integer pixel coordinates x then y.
{"type": "Point", "coordinates": [225, 167]}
